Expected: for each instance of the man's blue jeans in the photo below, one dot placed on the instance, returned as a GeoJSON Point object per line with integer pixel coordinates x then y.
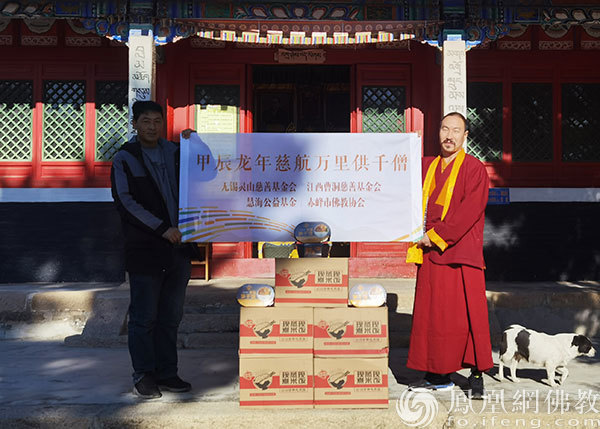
{"type": "Point", "coordinates": [155, 311]}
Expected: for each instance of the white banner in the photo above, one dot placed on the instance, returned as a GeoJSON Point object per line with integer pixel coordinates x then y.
{"type": "Point", "coordinates": [258, 187]}
{"type": "Point", "coordinates": [141, 70]}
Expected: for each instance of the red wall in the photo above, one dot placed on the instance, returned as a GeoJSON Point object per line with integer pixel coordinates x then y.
{"type": "Point", "coordinates": [181, 67]}
{"type": "Point", "coordinates": [106, 62]}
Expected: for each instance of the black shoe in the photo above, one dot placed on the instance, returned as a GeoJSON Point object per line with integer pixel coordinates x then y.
{"type": "Point", "coordinates": [174, 384]}
{"type": "Point", "coordinates": [432, 382]}
{"type": "Point", "coordinates": [476, 385]}
{"type": "Point", "coordinates": [147, 388]}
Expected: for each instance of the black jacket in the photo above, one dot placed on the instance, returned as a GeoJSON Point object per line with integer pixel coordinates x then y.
{"type": "Point", "coordinates": [143, 210]}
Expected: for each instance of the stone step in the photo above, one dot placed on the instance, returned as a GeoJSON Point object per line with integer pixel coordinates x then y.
{"type": "Point", "coordinates": [203, 340]}
{"type": "Point", "coordinates": [217, 322]}
{"type": "Point", "coordinates": [207, 322]}
{"type": "Point", "coordinates": [96, 314]}
{"type": "Point", "coordinates": [212, 308]}
{"type": "Point", "coordinates": [209, 340]}
{"type": "Point", "coordinates": [46, 330]}
{"type": "Point", "coordinates": [195, 340]}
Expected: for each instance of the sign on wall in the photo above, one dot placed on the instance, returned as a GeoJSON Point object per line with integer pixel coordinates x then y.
{"type": "Point", "coordinates": [258, 187]}
{"type": "Point", "coordinates": [217, 119]}
{"type": "Point", "coordinates": [304, 56]}
{"type": "Point", "coordinates": [141, 70]}
{"type": "Point", "coordinates": [499, 196]}
{"type": "Point", "coordinates": [454, 77]}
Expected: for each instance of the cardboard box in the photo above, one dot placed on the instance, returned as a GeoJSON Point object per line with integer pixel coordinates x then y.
{"type": "Point", "coordinates": [276, 383]}
{"type": "Point", "coordinates": [351, 383]}
{"type": "Point", "coordinates": [276, 332]}
{"type": "Point", "coordinates": [351, 332]}
{"type": "Point", "coordinates": [311, 282]}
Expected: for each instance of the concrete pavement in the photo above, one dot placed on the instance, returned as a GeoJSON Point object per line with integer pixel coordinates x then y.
{"type": "Point", "coordinates": [48, 384]}
{"type": "Point", "coordinates": [45, 383]}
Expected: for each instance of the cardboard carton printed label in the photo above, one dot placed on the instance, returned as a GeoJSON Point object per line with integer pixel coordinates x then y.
{"type": "Point", "coordinates": [263, 329]}
{"type": "Point", "coordinates": [293, 327]}
{"type": "Point", "coordinates": [264, 380]}
{"type": "Point", "coordinates": [337, 380]}
{"type": "Point", "coordinates": [293, 378]}
{"type": "Point", "coordinates": [368, 377]}
{"type": "Point", "coordinates": [298, 279]}
{"type": "Point", "coordinates": [328, 277]}
{"type": "Point", "coordinates": [335, 329]}
{"type": "Point", "coordinates": [323, 374]}
{"type": "Point", "coordinates": [367, 327]}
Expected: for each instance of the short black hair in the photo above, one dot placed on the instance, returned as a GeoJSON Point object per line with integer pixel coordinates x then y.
{"type": "Point", "coordinates": [460, 115]}
{"type": "Point", "coordinates": [141, 107]}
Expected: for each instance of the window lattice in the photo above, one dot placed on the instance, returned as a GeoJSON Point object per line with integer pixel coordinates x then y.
{"type": "Point", "coordinates": [532, 122]}
{"type": "Point", "coordinates": [64, 121]}
{"type": "Point", "coordinates": [383, 109]}
{"type": "Point", "coordinates": [222, 95]}
{"type": "Point", "coordinates": [484, 112]}
{"type": "Point", "coordinates": [16, 111]}
{"type": "Point", "coordinates": [111, 118]}
{"type": "Point", "coordinates": [580, 122]}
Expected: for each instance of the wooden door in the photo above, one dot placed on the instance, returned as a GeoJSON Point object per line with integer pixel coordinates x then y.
{"type": "Point", "coordinates": [383, 99]}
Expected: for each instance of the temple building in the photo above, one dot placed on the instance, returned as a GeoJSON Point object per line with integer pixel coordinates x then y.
{"type": "Point", "coordinates": [525, 73]}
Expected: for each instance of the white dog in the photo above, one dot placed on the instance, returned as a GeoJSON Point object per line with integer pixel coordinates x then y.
{"type": "Point", "coordinates": [537, 348]}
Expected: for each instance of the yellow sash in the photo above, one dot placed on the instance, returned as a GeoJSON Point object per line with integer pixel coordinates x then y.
{"type": "Point", "coordinates": [414, 254]}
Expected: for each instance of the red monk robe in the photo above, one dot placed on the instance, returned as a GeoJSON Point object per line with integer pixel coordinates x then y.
{"type": "Point", "coordinates": [450, 328]}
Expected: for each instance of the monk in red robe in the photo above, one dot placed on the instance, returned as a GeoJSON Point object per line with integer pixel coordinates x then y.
{"type": "Point", "coordinates": [450, 327]}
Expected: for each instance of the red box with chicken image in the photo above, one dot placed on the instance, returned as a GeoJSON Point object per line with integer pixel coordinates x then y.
{"type": "Point", "coordinates": [311, 282]}
{"type": "Point", "coordinates": [276, 383]}
{"type": "Point", "coordinates": [351, 332]}
{"type": "Point", "coordinates": [351, 383]}
{"type": "Point", "coordinates": [276, 332]}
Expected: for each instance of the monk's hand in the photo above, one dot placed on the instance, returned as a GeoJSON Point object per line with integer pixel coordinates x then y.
{"type": "Point", "coordinates": [187, 133]}
{"type": "Point", "coordinates": [173, 235]}
{"type": "Point", "coordinates": [424, 243]}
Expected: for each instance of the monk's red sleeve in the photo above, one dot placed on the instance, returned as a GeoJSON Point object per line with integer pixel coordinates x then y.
{"type": "Point", "coordinates": [465, 210]}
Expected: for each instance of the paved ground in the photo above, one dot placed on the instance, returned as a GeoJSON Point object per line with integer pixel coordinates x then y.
{"type": "Point", "coordinates": [46, 384]}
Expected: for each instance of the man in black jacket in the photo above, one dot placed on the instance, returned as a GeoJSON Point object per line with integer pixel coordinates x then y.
{"type": "Point", "coordinates": [145, 187]}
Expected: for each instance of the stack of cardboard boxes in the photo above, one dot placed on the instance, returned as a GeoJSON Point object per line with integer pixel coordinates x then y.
{"type": "Point", "coordinates": [311, 349]}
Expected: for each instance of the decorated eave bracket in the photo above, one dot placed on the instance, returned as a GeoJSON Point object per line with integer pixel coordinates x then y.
{"type": "Point", "coordinates": [313, 33]}
{"type": "Point", "coordinates": [305, 23]}
{"type": "Point", "coordinates": [274, 33]}
{"type": "Point", "coordinates": [473, 35]}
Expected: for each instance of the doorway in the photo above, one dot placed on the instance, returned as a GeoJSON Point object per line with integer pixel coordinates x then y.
{"type": "Point", "coordinates": [303, 99]}
{"type": "Point", "coordinates": [300, 98]}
